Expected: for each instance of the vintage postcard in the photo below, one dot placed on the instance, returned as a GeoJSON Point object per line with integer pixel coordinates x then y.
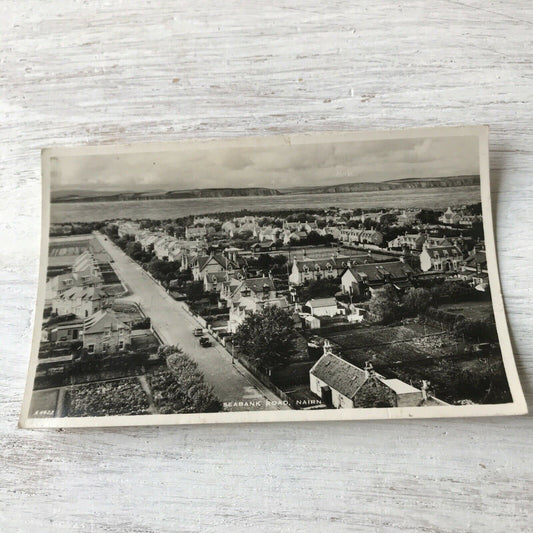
{"type": "Point", "coordinates": [322, 276]}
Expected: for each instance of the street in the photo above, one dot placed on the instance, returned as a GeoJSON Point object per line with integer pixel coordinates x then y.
{"type": "Point", "coordinates": [232, 383]}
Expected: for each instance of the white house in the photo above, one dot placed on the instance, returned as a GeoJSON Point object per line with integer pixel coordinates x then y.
{"type": "Point", "coordinates": [192, 232]}
{"type": "Point", "coordinates": [308, 269]}
{"type": "Point", "coordinates": [450, 217]}
{"type": "Point", "coordinates": [341, 385]}
{"type": "Point", "coordinates": [323, 307]}
{"type": "Point", "coordinates": [80, 301]}
{"type": "Point", "coordinates": [441, 258]}
{"type": "Point", "coordinates": [253, 295]}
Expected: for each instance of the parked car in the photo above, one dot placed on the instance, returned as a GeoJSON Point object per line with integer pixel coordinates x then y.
{"type": "Point", "coordinates": [205, 342]}
{"type": "Point", "coordinates": [198, 332]}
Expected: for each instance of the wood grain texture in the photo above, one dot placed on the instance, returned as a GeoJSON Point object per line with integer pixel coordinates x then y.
{"type": "Point", "coordinates": [74, 72]}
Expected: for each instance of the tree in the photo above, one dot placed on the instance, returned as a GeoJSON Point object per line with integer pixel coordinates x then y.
{"type": "Point", "coordinates": [318, 288]}
{"type": "Point", "coordinates": [385, 305]}
{"type": "Point", "coordinates": [265, 338]}
{"type": "Point", "coordinates": [194, 291]}
{"type": "Point", "coordinates": [417, 301]}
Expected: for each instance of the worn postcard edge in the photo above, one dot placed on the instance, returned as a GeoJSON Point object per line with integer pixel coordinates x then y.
{"type": "Point", "coordinates": [517, 407]}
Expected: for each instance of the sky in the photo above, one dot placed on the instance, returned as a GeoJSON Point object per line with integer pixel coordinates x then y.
{"type": "Point", "coordinates": [282, 166]}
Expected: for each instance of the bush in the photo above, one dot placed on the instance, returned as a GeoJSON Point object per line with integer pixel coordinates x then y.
{"type": "Point", "coordinates": [180, 388]}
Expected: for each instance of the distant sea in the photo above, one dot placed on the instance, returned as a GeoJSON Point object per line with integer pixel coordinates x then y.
{"type": "Point", "coordinates": [433, 198]}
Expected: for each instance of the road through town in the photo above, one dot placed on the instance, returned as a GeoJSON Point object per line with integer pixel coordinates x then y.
{"type": "Point", "coordinates": [232, 383]}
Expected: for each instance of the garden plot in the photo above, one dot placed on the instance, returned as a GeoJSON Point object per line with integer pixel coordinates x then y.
{"type": "Point", "coordinates": [384, 345]}
{"type": "Point", "coordinates": [118, 397]}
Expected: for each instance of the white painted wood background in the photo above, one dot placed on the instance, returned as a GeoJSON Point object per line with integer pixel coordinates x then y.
{"type": "Point", "coordinates": [76, 72]}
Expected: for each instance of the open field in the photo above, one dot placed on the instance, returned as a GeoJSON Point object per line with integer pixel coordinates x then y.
{"type": "Point", "coordinates": [384, 345]}
{"type": "Point", "coordinates": [473, 310]}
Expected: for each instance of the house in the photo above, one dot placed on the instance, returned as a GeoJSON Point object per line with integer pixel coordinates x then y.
{"type": "Point", "coordinates": [441, 258]}
{"type": "Point", "coordinates": [242, 221]}
{"type": "Point", "coordinates": [253, 295]}
{"type": "Point", "coordinates": [208, 264]}
{"type": "Point", "coordinates": [361, 236]}
{"type": "Point", "coordinates": [269, 233]}
{"type": "Point", "coordinates": [85, 272]}
{"type": "Point", "coordinates": [323, 307]}
{"type": "Point", "coordinates": [450, 217]}
{"type": "Point", "coordinates": [475, 269]}
{"type": "Point", "coordinates": [334, 231]}
{"type": "Point", "coordinates": [128, 228]}
{"type": "Point", "coordinates": [359, 280]}
{"type": "Point", "coordinates": [341, 385]}
{"type": "Point", "coordinates": [266, 246]}
{"type": "Point", "coordinates": [65, 331]}
{"type": "Point", "coordinates": [229, 227]}
{"type": "Point", "coordinates": [162, 245]}
{"type": "Point", "coordinates": [213, 281]}
{"type": "Point", "coordinates": [412, 241]}
{"type": "Point", "coordinates": [104, 332]}
{"type": "Point", "coordinates": [407, 218]}
{"type": "Point", "coordinates": [309, 269]}
{"type": "Point", "coordinates": [192, 232]}
{"type": "Point", "coordinates": [80, 301]}
{"type": "Point", "coordinates": [205, 221]}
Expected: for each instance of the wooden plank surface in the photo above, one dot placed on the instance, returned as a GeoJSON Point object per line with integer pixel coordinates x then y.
{"type": "Point", "coordinates": [74, 72]}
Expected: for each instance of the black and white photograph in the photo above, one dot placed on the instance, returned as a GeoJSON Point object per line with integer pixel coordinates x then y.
{"type": "Point", "coordinates": [298, 277]}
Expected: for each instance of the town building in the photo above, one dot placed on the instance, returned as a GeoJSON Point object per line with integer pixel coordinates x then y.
{"type": "Point", "coordinates": [341, 385]}
{"type": "Point", "coordinates": [209, 264]}
{"type": "Point", "coordinates": [304, 270]}
{"type": "Point", "coordinates": [360, 280]}
{"type": "Point", "coordinates": [80, 301]}
{"type": "Point", "coordinates": [450, 217]}
{"type": "Point", "coordinates": [441, 258]}
{"type": "Point", "coordinates": [323, 307]}
{"type": "Point", "coordinates": [214, 281]}
{"type": "Point", "coordinates": [353, 236]}
{"type": "Point", "coordinates": [105, 332]}
{"type": "Point", "coordinates": [85, 272]}
{"type": "Point", "coordinates": [411, 241]}
{"type": "Point", "coordinates": [192, 232]}
{"type": "Point", "coordinates": [253, 295]}
{"type": "Point", "coordinates": [128, 229]}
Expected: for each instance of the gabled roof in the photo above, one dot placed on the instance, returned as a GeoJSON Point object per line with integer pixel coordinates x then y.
{"type": "Point", "coordinates": [84, 293]}
{"type": "Point", "coordinates": [375, 272]}
{"type": "Point", "coordinates": [258, 284]}
{"type": "Point", "coordinates": [339, 375]}
{"type": "Point", "coordinates": [222, 260]}
{"type": "Point", "coordinates": [438, 252]}
{"type": "Point", "coordinates": [322, 302]}
{"type": "Point", "coordinates": [102, 320]}
{"type": "Point", "coordinates": [334, 262]}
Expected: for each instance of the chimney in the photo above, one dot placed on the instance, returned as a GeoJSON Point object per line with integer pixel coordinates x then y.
{"type": "Point", "coordinates": [327, 347]}
{"type": "Point", "coordinates": [424, 388]}
{"type": "Point", "coordinates": [369, 370]}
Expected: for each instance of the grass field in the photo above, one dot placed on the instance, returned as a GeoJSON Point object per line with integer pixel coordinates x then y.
{"type": "Point", "coordinates": [393, 344]}
{"type": "Point", "coordinates": [472, 310]}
